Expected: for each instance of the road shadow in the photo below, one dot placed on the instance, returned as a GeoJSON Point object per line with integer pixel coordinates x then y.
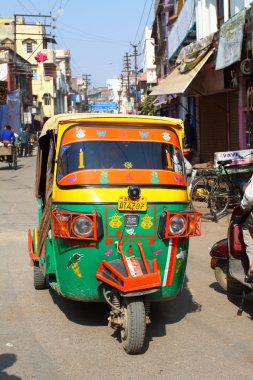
{"type": "Point", "coordinates": [215, 286]}
{"type": "Point", "coordinates": [6, 361]}
{"type": "Point", "coordinates": [247, 305]}
{"type": "Point", "coordinates": [82, 313]}
{"type": "Point", "coordinates": [3, 168]}
{"type": "Point", "coordinates": [236, 299]}
{"type": "Point", "coordinates": [161, 314]}
{"type": "Point", "coordinates": [170, 312]}
{"type": "Point", "coordinates": [167, 313]}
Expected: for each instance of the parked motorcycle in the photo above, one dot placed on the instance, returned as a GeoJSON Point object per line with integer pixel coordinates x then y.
{"type": "Point", "coordinates": [230, 261]}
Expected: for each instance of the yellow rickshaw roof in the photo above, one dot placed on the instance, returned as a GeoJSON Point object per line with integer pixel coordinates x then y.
{"type": "Point", "coordinates": [53, 122]}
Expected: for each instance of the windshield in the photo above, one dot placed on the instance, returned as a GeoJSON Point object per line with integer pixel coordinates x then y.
{"type": "Point", "coordinates": [86, 155]}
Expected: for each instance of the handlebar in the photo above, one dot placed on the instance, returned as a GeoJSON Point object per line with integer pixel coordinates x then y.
{"type": "Point", "coordinates": [224, 162]}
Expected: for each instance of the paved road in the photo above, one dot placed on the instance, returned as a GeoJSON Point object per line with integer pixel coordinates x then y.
{"type": "Point", "coordinates": [44, 337]}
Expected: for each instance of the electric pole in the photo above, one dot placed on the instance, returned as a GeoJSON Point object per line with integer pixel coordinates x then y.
{"type": "Point", "coordinates": [126, 69]}
{"type": "Point", "coordinates": [86, 83]}
{"type": "Point", "coordinates": [135, 55]}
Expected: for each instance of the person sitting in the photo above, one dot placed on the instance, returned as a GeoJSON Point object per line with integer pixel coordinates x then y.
{"type": "Point", "coordinates": [8, 136]}
{"type": "Point", "coordinates": [24, 137]}
{"type": "Point", "coordinates": [246, 209]}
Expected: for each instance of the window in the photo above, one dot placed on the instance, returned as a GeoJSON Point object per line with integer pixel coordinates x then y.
{"type": "Point", "coordinates": [47, 100]}
{"type": "Point", "coordinates": [119, 155]}
{"type": "Point", "coordinates": [29, 47]}
{"type": "Point", "coordinates": [35, 74]}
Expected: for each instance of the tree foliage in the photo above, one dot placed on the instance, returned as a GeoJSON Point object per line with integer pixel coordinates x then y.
{"type": "Point", "coordinates": [148, 107]}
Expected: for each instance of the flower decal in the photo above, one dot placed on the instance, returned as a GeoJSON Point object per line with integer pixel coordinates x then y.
{"type": "Point", "coordinates": [166, 136]}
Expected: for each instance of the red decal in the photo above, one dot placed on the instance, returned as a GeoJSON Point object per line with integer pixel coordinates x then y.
{"type": "Point", "coordinates": [173, 260]}
{"type": "Point", "coordinates": [151, 241]}
{"type": "Point", "coordinates": [108, 242]}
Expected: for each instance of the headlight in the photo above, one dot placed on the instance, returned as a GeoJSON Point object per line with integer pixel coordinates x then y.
{"type": "Point", "coordinates": [82, 226]}
{"type": "Point", "coordinates": [177, 225]}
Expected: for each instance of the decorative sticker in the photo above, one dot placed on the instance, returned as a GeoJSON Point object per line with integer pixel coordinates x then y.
{"type": "Point", "coordinates": [146, 222]}
{"type": "Point", "coordinates": [129, 177]}
{"type": "Point", "coordinates": [80, 134]}
{"type": "Point", "coordinates": [108, 252]}
{"type": "Point", "coordinates": [181, 255]}
{"type": "Point", "coordinates": [72, 179]}
{"type": "Point", "coordinates": [128, 165]}
{"type": "Point", "coordinates": [178, 179]}
{"type": "Point", "coordinates": [166, 136]}
{"type": "Point", "coordinates": [130, 231]}
{"type": "Point", "coordinates": [101, 133]}
{"type": "Point", "coordinates": [104, 176]}
{"type": "Point", "coordinates": [154, 177]}
{"type": "Point", "coordinates": [179, 265]}
{"type": "Point", "coordinates": [115, 221]}
{"type": "Point", "coordinates": [144, 134]}
{"type": "Point", "coordinates": [157, 252]}
{"type": "Point", "coordinates": [74, 264]}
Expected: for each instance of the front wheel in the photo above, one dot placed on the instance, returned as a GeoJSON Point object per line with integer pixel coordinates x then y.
{"type": "Point", "coordinates": [133, 328]}
{"type": "Point", "coordinates": [226, 282]}
{"type": "Point", "coordinates": [219, 200]}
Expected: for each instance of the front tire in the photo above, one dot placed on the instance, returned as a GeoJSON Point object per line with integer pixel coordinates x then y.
{"type": "Point", "coordinates": [39, 281]}
{"type": "Point", "coordinates": [226, 282]}
{"type": "Point", "coordinates": [133, 330]}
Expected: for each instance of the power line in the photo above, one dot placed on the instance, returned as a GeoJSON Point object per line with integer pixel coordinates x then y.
{"type": "Point", "coordinates": [147, 19]}
{"type": "Point", "coordinates": [140, 20]}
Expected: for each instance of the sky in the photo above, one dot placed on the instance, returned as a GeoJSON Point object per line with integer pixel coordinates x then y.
{"type": "Point", "coordinates": [98, 33]}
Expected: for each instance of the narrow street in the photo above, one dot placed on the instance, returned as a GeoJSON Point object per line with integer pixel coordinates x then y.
{"type": "Point", "coordinates": [44, 337]}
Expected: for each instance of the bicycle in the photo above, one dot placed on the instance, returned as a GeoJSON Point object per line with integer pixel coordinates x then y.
{"type": "Point", "coordinates": [212, 191]}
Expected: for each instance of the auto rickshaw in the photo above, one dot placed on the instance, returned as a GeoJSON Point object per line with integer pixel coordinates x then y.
{"type": "Point", "coordinates": [114, 217]}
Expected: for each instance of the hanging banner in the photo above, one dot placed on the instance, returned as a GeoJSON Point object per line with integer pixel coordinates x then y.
{"type": "Point", "coordinates": [230, 41]}
{"type": "Point", "coordinates": [10, 112]}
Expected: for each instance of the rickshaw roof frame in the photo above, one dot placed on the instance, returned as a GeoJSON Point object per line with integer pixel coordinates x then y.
{"type": "Point", "coordinates": [52, 124]}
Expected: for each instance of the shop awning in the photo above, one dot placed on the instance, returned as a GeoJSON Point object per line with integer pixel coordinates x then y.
{"type": "Point", "coordinates": [177, 83]}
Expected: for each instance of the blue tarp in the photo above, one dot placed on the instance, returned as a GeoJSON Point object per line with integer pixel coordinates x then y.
{"type": "Point", "coordinates": [10, 113]}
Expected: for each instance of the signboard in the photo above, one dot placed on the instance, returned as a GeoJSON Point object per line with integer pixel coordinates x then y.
{"type": "Point", "coordinates": [104, 106]}
{"type": "Point", "coordinates": [238, 157]}
{"type": "Point", "coordinates": [27, 118]}
{"type": "Point", "coordinates": [230, 41]}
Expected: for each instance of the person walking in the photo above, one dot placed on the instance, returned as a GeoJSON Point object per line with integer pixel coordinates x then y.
{"type": "Point", "coordinates": [23, 137]}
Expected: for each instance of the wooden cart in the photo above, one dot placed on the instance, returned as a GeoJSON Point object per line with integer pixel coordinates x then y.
{"type": "Point", "coordinates": [9, 154]}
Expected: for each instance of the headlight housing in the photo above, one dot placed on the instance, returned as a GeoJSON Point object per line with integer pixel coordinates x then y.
{"type": "Point", "coordinates": [82, 226]}
{"type": "Point", "coordinates": [177, 225]}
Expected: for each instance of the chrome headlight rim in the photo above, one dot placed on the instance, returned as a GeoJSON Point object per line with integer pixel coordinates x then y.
{"type": "Point", "coordinates": [85, 219]}
{"type": "Point", "coordinates": [182, 229]}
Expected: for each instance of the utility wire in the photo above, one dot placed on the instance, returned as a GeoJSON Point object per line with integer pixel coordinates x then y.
{"type": "Point", "coordinates": [147, 19]}
{"type": "Point", "coordinates": [144, 7]}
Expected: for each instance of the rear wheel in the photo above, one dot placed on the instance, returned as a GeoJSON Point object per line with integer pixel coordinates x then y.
{"type": "Point", "coordinates": [39, 281]}
{"type": "Point", "coordinates": [133, 329]}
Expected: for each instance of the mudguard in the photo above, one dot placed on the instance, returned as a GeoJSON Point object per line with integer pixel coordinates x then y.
{"type": "Point", "coordinates": [220, 250]}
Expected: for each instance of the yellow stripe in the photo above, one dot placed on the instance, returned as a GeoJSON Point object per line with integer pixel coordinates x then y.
{"type": "Point", "coordinates": [106, 195]}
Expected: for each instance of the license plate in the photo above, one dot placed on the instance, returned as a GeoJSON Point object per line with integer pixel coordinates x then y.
{"type": "Point", "coordinates": [126, 204]}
